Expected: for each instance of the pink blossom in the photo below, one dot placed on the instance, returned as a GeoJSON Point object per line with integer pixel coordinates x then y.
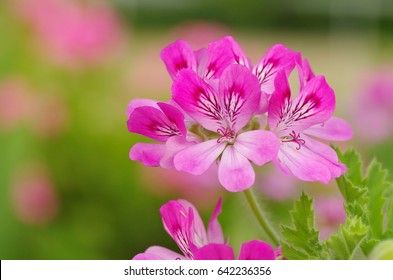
{"type": "Point", "coordinates": [184, 224]}
{"type": "Point", "coordinates": [73, 31]}
{"type": "Point", "coordinates": [330, 214]}
{"type": "Point", "coordinates": [34, 196]}
{"type": "Point", "coordinates": [251, 250]}
{"type": "Point", "coordinates": [223, 109]}
{"type": "Point", "coordinates": [374, 106]}
{"type": "Point", "coordinates": [295, 120]}
{"type": "Point", "coordinates": [161, 122]}
{"type": "Point", "coordinates": [278, 186]}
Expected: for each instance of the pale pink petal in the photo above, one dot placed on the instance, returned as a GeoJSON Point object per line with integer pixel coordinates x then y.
{"type": "Point", "coordinates": [148, 154]}
{"type": "Point", "coordinates": [305, 73]}
{"type": "Point", "coordinates": [140, 102]}
{"type": "Point", "coordinates": [276, 58]}
{"type": "Point", "coordinates": [146, 256]}
{"type": "Point", "coordinates": [202, 57]}
{"type": "Point", "coordinates": [178, 56]}
{"type": "Point", "coordinates": [172, 146]}
{"type": "Point", "coordinates": [214, 252]}
{"type": "Point", "coordinates": [198, 158]}
{"type": "Point", "coordinates": [239, 95]}
{"type": "Point", "coordinates": [334, 129]}
{"type": "Point", "coordinates": [235, 171]}
{"type": "Point", "coordinates": [223, 53]}
{"type": "Point", "coordinates": [256, 250]}
{"type": "Point", "coordinates": [153, 123]}
{"type": "Point", "coordinates": [314, 161]}
{"type": "Point", "coordinates": [164, 253]}
{"type": "Point", "coordinates": [259, 146]}
{"type": "Point", "coordinates": [197, 230]}
{"type": "Point", "coordinates": [198, 99]}
{"type": "Point", "coordinates": [214, 230]}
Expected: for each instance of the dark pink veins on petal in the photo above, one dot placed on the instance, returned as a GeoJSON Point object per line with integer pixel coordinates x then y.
{"type": "Point", "coordinates": [208, 104]}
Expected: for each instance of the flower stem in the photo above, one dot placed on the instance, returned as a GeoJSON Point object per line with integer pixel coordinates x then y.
{"type": "Point", "coordinates": [263, 221]}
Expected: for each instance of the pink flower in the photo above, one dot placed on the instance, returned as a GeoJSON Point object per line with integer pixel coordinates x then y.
{"type": "Point", "coordinates": [223, 109]}
{"type": "Point", "coordinates": [161, 122]}
{"type": "Point", "coordinates": [252, 250]}
{"type": "Point", "coordinates": [183, 223]}
{"type": "Point", "coordinates": [330, 214]}
{"type": "Point", "coordinates": [295, 120]}
{"type": "Point", "coordinates": [73, 31]}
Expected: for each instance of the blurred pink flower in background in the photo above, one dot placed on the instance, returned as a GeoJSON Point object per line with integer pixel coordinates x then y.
{"type": "Point", "coordinates": [34, 196]}
{"type": "Point", "coordinates": [278, 186]}
{"type": "Point", "coordinates": [373, 110]}
{"type": "Point", "coordinates": [13, 103]}
{"type": "Point", "coordinates": [73, 31]}
{"type": "Point", "coordinates": [330, 214]}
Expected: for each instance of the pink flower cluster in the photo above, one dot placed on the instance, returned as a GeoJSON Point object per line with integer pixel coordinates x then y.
{"type": "Point", "coordinates": [184, 224]}
{"type": "Point", "coordinates": [225, 110]}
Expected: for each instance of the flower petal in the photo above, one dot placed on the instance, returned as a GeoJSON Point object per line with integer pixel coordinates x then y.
{"type": "Point", "coordinates": [198, 158]}
{"type": "Point", "coordinates": [198, 99]}
{"type": "Point", "coordinates": [178, 56]}
{"type": "Point", "coordinates": [159, 253]}
{"type": "Point", "coordinates": [314, 161]}
{"type": "Point", "coordinates": [172, 147]}
{"type": "Point", "coordinates": [276, 58]}
{"type": "Point", "coordinates": [239, 94]}
{"type": "Point", "coordinates": [214, 230]}
{"type": "Point", "coordinates": [153, 123]}
{"type": "Point", "coordinates": [174, 116]}
{"type": "Point", "coordinates": [214, 252]}
{"type": "Point", "coordinates": [235, 172]}
{"type": "Point", "coordinates": [140, 102]}
{"type": "Point", "coordinates": [334, 129]}
{"type": "Point", "coordinates": [197, 230]}
{"type": "Point", "coordinates": [148, 154]}
{"type": "Point", "coordinates": [256, 250]}
{"type": "Point", "coordinates": [305, 73]}
{"type": "Point", "coordinates": [259, 146]}
{"type": "Point", "coordinates": [221, 54]}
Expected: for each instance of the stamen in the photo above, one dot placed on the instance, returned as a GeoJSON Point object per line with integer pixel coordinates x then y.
{"type": "Point", "coordinates": [181, 212]}
{"type": "Point", "coordinates": [295, 138]}
{"type": "Point", "coordinates": [227, 135]}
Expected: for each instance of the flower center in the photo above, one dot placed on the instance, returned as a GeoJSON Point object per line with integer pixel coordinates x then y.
{"type": "Point", "coordinates": [227, 135]}
{"type": "Point", "coordinates": [293, 137]}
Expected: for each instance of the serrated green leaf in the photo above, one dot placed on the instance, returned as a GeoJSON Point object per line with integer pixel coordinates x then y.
{"type": "Point", "coordinates": [376, 182]}
{"type": "Point", "coordinates": [302, 239]}
{"type": "Point", "coordinates": [351, 184]}
{"type": "Point", "coordinates": [343, 244]}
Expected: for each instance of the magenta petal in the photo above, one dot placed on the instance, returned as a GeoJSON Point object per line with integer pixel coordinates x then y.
{"type": "Point", "coordinates": [334, 129]}
{"type": "Point", "coordinates": [235, 172]}
{"type": "Point", "coordinates": [214, 231]}
{"type": "Point", "coordinates": [305, 73]}
{"type": "Point", "coordinates": [223, 53]}
{"type": "Point", "coordinates": [259, 146]}
{"type": "Point", "coordinates": [140, 102]}
{"type": "Point", "coordinates": [197, 230]}
{"type": "Point", "coordinates": [279, 101]}
{"type": "Point", "coordinates": [174, 116]}
{"type": "Point", "coordinates": [153, 123]}
{"type": "Point", "coordinates": [239, 94]}
{"type": "Point", "coordinates": [148, 154]}
{"type": "Point", "coordinates": [214, 252]}
{"type": "Point", "coordinates": [276, 58]}
{"type": "Point", "coordinates": [198, 99]}
{"type": "Point", "coordinates": [178, 56]}
{"type": "Point", "coordinates": [256, 250]}
{"type": "Point", "coordinates": [146, 256]}
{"type": "Point", "coordinates": [199, 157]}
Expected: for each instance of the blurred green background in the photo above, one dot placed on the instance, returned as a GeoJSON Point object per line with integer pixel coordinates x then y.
{"type": "Point", "coordinates": [68, 70]}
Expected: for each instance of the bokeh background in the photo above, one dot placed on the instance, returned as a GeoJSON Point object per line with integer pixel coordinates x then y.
{"type": "Point", "coordinates": [68, 69]}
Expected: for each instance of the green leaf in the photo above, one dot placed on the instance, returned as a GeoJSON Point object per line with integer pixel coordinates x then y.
{"type": "Point", "coordinates": [376, 182]}
{"type": "Point", "coordinates": [302, 239]}
{"type": "Point", "coordinates": [351, 183]}
{"type": "Point", "coordinates": [343, 245]}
